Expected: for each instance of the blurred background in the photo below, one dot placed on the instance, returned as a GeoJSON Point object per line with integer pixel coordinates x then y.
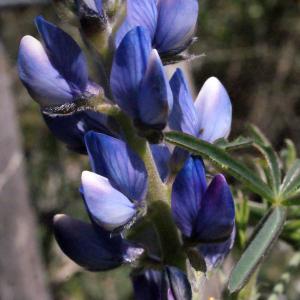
{"type": "Point", "coordinates": [251, 46]}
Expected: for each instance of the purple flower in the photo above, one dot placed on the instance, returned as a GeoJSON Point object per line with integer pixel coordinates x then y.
{"type": "Point", "coordinates": [139, 83]}
{"type": "Point", "coordinates": [209, 117]}
{"type": "Point", "coordinates": [92, 247]}
{"type": "Point", "coordinates": [169, 284]}
{"type": "Point", "coordinates": [204, 214]}
{"type": "Point", "coordinates": [171, 23]}
{"type": "Point", "coordinates": [54, 72]}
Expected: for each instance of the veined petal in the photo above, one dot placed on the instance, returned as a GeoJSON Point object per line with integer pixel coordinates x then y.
{"type": "Point", "coordinates": [183, 116]}
{"type": "Point", "coordinates": [187, 193]}
{"type": "Point", "coordinates": [215, 253]}
{"type": "Point", "coordinates": [128, 69]}
{"type": "Point", "coordinates": [92, 249]}
{"type": "Point", "coordinates": [155, 99]}
{"type": "Point", "coordinates": [113, 159]}
{"type": "Point", "coordinates": [70, 129]}
{"type": "Point", "coordinates": [107, 206]}
{"type": "Point", "coordinates": [161, 155]}
{"type": "Point", "coordinates": [65, 55]}
{"type": "Point", "coordinates": [176, 24]}
{"type": "Point", "coordinates": [139, 13]}
{"type": "Point", "coordinates": [214, 110]}
{"type": "Point", "coordinates": [43, 82]}
{"type": "Point", "coordinates": [215, 220]}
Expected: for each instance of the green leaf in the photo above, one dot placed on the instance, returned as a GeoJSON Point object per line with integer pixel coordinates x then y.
{"type": "Point", "coordinates": [288, 154]}
{"type": "Point", "coordinates": [258, 248]}
{"type": "Point", "coordinates": [292, 200]}
{"type": "Point", "coordinates": [239, 143]}
{"type": "Point", "coordinates": [257, 135]}
{"type": "Point", "coordinates": [273, 171]}
{"type": "Point", "coordinates": [291, 180]}
{"type": "Point", "coordinates": [273, 166]}
{"type": "Point", "coordinates": [221, 160]}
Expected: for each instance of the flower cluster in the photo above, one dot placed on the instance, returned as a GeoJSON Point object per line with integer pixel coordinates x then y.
{"type": "Point", "coordinates": [131, 168]}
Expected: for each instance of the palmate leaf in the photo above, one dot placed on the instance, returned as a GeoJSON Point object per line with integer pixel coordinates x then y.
{"type": "Point", "coordinates": [265, 237]}
{"type": "Point", "coordinates": [273, 171]}
{"type": "Point", "coordinates": [221, 160]}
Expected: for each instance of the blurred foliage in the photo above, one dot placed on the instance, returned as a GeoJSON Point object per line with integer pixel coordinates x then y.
{"type": "Point", "coordinates": [251, 46]}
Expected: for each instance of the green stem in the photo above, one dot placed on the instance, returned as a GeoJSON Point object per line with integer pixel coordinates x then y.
{"type": "Point", "coordinates": [172, 253]}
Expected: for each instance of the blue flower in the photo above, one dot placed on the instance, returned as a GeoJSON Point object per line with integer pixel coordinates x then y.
{"type": "Point", "coordinates": [114, 195]}
{"type": "Point", "coordinates": [54, 72]}
{"type": "Point", "coordinates": [108, 207]}
{"type": "Point", "coordinates": [113, 159]}
{"type": "Point", "coordinates": [214, 253]}
{"type": "Point", "coordinates": [92, 247]}
{"type": "Point", "coordinates": [203, 214]}
{"type": "Point", "coordinates": [169, 284]}
{"type": "Point", "coordinates": [209, 118]}
{"type": "Point", "coordinates": [171, 23]}
{"type": "Point", "coordinates": [139, 83]}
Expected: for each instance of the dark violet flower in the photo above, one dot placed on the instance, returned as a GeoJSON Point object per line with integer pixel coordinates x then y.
{"type": "Point", "coordinates": [171, 23]}
{"type": "Point", "coordinates": [91, 247]}
{"type": "Point", "coordinates": [169, 284]}
{"type": "Point", "coordinates": [139, 83]}
{"type": "Point", "coordinates": [54, 72]}
{"type": "Point", "coordinates": [70, 129]}
{"type": "Point", "coordinates": [147, 285]}
{"type": "Point", "coordinates": [203, 214]}
{"type": "Point", "coordinates": [209, 117]}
